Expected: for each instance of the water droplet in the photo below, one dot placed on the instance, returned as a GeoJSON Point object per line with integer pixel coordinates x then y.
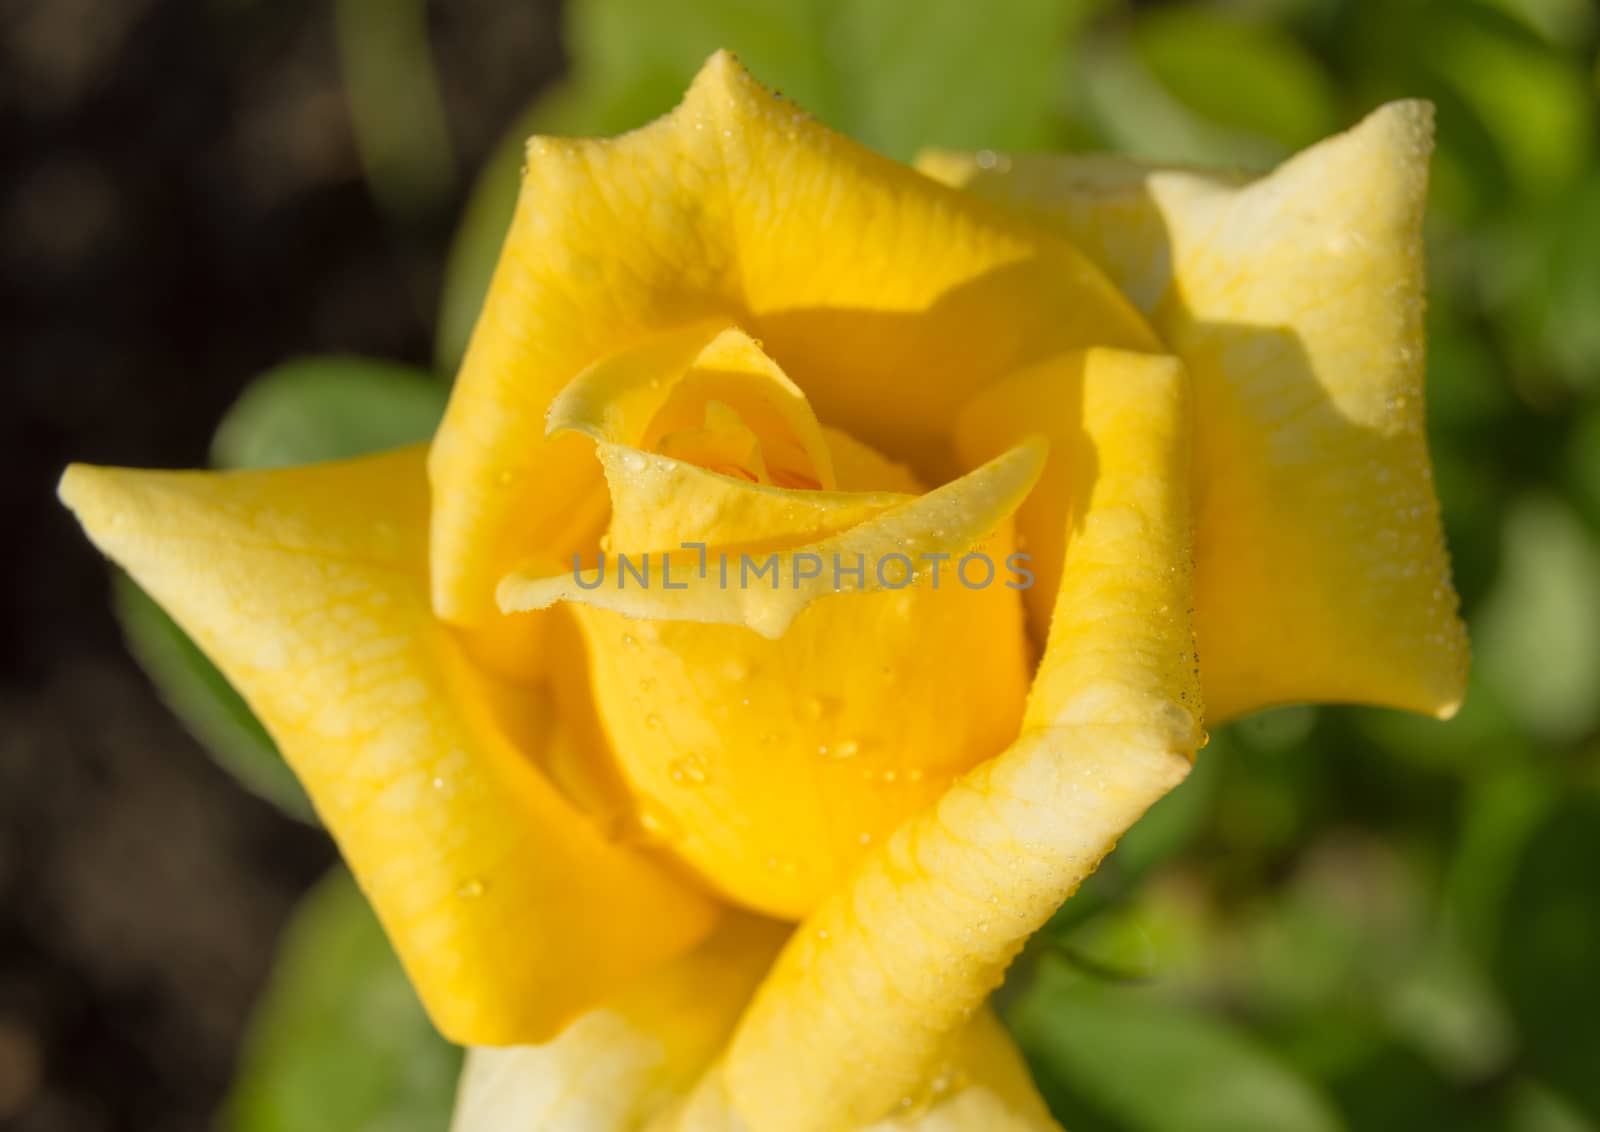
{"type": "Point", "coordinates": [839, 749]}
{"type": "Point", "coordinates": [813, 708]}
{"type": "Point", "coordinates": [655, 824]}
{"type": "Point", "coordinates": [438, 782]}
{"type": "Point", "coordinates": [471, 890]}
{"type": "Point", "coordinates": [691, 770]}
{"type": "Point", "coordinates": [646, 683]}
{"type": "Point", "coordinates": [629, 641]}
{"type": "Point", "coordinates": [652, 721]}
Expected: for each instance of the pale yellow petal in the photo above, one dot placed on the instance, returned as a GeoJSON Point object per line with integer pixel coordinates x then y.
{"type": "Point", "coordinates": [739, 581]}
{"type": "Point", "coordinates": [631, 1063]}
{"type": "Point", "coordinates": [770, 760]}
{"type": "Point", "coordinates": [1296, 302]}
{"type": "Point", "coordinates": [984, 1087]}
{"type": "Point", "coordinates": [308, 588]}
{"type": "Point", "coordinates": [616, 1067]}
{"type": "Point", "coordinates": [638, 397]}
{"type": "Point", "coordinates": [865, 999]}
{"type": "Point", "coordinates": [979, 1085]}
{"type": "Point", "coordinates": [887, 298]}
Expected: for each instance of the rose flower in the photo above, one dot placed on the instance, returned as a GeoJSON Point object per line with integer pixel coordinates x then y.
{"type": "Point", "coordinates": [820, 565]}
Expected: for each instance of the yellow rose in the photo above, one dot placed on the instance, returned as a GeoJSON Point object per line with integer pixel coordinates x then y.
{"type": "Point", "coordinates": [750, 853]}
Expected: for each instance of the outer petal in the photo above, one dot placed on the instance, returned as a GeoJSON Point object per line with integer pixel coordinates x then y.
{"type": "Point", "coordinates": [307, 586]}
{"type": "Point", "coordinates": [980, 1085]}
{"type": "Point", "coordinates": [770, 764]}
{"type": "Point", "coordinates": [631, 1064]}
{"type": "Point", "coordinates": [635, 396]}
{"type": "Point", "coordinates": [887, 298]}
{"type": "Point", "coordinates": [1296, 302]}
{"type": "Point", "coordinates": [864, 1000]}
{"type": "Point", "coordinates": [616, 1067]}
{"type": "Point", "coordinates": [690, 585]}
{"type": "Point", "coordinates": [985, 1087]}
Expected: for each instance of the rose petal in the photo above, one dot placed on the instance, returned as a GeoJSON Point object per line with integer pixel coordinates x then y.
{"type": "Point", "coordinates": [951, 520]}
{"type": "Point", "coordinates": [888, 298]}
{"type": "Point", "coordinates": [865, 996]}
{"type": "Point", "coordinates": [631, 1063]}
{"type": "Point", "coordinates": [635, 396]}
{"type": "Point", "coordinates": [770, 765]}
{"type": "Point", "coordinates": [308, 588]}
{"type": "Point", "coordinates": [1296, 302]}
{"type": "Point", "coordinates": [617, 1066]}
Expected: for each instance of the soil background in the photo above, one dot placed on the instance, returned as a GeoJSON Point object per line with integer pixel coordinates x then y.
{"type": "Point", "coordinates": [181, 207]}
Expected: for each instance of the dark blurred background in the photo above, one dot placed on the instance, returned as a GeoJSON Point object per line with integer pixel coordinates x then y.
{"type": "Point", "coordinates": [1346, 918]}
{"type": "Point", "coordinates": [183, 206]}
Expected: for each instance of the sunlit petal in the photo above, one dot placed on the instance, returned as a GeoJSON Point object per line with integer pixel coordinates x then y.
{"type": "Point", "coordinates": [916, 297]}
{"type": "Point", "coordinates": [862, 1003]}
{"type": "Point", "coordinates": [308, 588]}
{"type": "Point", "coordinates": [1296, 302]}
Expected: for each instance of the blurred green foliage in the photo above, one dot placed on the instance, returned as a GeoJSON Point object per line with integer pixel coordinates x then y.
{"type": "Point", "coordinates": [1346, 917]}
{"type": "Point", "coordinates": [339, 1040]}
{"type": "Point", "coordinates": [298, 413]}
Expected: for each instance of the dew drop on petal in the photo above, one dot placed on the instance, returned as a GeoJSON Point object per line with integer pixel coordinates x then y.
{"type": "Point", "coordinates": [839, 749]}
{"type": "Point", "coordinates": [691, 770]}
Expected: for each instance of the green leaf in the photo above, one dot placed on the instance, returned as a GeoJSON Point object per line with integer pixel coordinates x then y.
{"type": "Point", "coordinates": [1391, 1085]}
{"type": "Point", "coordinates": [1499, 815]}
{"type": "Point", "coordinates": [327, 409]}
{"type": "Point", "coordinates": [395, 106]}
{"type": "Point", "coordinates": [1448, 1009]}
{"type": "Point", "coordinates": [956, 74]}
{"type": "Point", "coordinates": [1536, 637]}
{"type": "Point", "coordinates": [339, 1042]}
{"type": "Point", "coordinates": [302, 412]}
{"type": "Point", "coordinates": [1536, 102]}
{"type": "Point", "coordinates": [1116, 1058]}
{"type": "Point", "coordinates": [1549, 941]}
{"type": "Point", "coordinates": [1584, 462]}
{"type": "Point", "coordinates": [1240, 74]}
{"type": "Point", "coordinates": [1534, 1108]}
{"type": "Point", "coordinates": [203, 699]}
{"type": "Point", "coordinates": [1159, 932]}
{"type": "Point", "coordinates": [949, 72]}
{"type": "Point", "coordinates": [638, 56]}
{"type": "Point", "coordinates": [1540, 276]}
{"type": "Point", "coordinates": [1141, 118]}
{"type": "Point", "coordinates": [476, 247]}
{"type": "Point", "coordinates": [1567, 22]}
{"type": "Point", "coordinates": [1164, 832]}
